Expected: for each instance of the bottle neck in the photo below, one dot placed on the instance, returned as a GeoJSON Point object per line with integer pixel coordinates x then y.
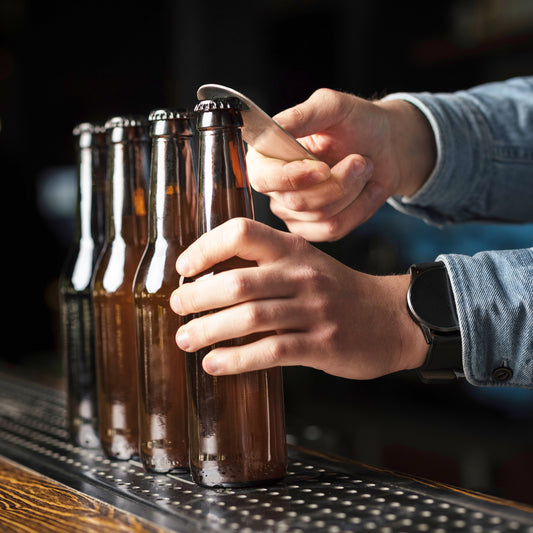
{"type": "Point", "coordinates": [172, 190]}
{"type": "Point", "coordinates": [90, 216]}
{"type": "Point", "coordinates": [224, 190]}
{"type": "Point", "coordinates": [99, 194]}
{"type": "Point", "coordinates": [128, 168]}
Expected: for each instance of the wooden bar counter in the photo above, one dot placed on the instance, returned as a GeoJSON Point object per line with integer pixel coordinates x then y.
{"type": "Point", "coordinates": [49, 485]}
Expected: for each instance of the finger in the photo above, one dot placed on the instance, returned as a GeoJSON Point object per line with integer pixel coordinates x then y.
{"type": "Point", "coordinates": [229, 288]}
{"type": "Point", "coordinates": [324, 200]}
{"type": "Point", "coordinates": [372, 197]}
{"type": "Point", "coordinates": [285, 349]}
{"type": "Point", "coordinates": [238, 322]}
{"type": "Point", "coordinates": [320, 111]}
{"type": "Point", "coordinates": [268, 175]}
{"type": "Point", "coordinates": [238, 237]}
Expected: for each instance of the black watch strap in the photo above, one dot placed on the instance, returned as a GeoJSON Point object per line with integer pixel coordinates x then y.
{"type": "Point", "coordinates": [444, 360]}
{"type": "Point", "coordinates": [431, 304]}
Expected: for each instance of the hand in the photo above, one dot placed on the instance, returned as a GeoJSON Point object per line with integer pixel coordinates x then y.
{"type": "Point", "coordinates": [368, 151]}
{"type": "Point", "coordinates": [324, 314]}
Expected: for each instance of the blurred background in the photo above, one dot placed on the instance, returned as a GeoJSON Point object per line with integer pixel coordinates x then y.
{"type": "Point", "coordinates": [62, 63]}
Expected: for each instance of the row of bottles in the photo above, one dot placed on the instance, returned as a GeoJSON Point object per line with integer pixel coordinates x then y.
{"type": "Point", "coordinates": [131, 390]}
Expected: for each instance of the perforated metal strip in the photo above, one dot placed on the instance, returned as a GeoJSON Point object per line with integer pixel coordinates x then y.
{"type": "Point", "coordinates": [318, 494]}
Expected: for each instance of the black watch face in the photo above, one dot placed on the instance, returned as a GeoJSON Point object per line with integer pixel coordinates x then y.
{"type": "Point", "coordinates": [431, 300]}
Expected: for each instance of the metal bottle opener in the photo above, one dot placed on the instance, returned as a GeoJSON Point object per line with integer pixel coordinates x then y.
{"type": "Point", "coordinates": [259, 130]}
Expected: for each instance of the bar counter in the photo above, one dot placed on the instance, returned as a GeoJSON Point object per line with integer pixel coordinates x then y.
{"type": "Point", "coordinates": [48, 484]}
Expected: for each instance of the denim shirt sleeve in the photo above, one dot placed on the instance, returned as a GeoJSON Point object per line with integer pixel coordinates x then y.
{"type": "Point", "coordinates": [494, 296]}
{"type": "Point", "coordinates": [484, 168]}
{"type": "Point", "coordinates": [484, 172]}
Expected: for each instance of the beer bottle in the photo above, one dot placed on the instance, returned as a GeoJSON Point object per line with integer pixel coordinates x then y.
{"type": "Point", "coordinates": [128, 165]}
{"type": "Point", "coordinates": [164, 443]}
{"type": "Point", "coordinates": [77, 318]}
{"type": "Point", "coordinates": [236, 423]}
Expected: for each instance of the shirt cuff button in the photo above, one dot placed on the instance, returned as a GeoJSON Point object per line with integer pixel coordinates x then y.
{"type": "Point", "coordinates": [502, 374]}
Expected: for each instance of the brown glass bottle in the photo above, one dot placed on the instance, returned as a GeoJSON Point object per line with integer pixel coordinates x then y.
{"type": "Point", "coordinates": [128, 165]}
{"type": "Point", "coordinates": [77, 318]}
{"type": "Point", "coordinates": [236, 423]}
{"type": "Point", "coordinates": [164, 443]}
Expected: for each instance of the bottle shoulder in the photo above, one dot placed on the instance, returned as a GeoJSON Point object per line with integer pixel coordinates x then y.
{"type": "Point", "coordinates": [79, 266]}
{"type": "Point", "coordinates": [116, 268]}
{"type": "Point", "coordinates": [157, 269]}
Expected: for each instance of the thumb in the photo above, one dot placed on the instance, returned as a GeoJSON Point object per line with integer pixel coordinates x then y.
{"type": "Point", "coordinates": [324, 108]}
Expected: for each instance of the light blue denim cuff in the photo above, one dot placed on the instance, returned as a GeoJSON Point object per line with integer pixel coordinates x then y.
{"type": "Point", "coordinates": [494, 296]}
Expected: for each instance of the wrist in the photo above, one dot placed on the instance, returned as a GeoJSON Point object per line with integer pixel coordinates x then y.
{"type": "Point", "coordinates": [411, 345]}
{"type": "Point", "coordinates": [412, 142]}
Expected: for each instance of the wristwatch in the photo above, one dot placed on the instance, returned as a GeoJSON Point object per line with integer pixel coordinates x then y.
{"type": "Point", "coordinates": [431, 304]}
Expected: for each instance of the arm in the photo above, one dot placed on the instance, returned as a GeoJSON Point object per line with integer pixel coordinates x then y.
{"type": "Point", "coordinates": [484, 172]}
{"type": "Point", "coordinates": [324, 314]}
{"type": "Point", "coordinates": [484, 169]}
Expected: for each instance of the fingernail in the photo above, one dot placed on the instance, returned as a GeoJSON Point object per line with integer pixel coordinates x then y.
{"type": "Point", "coordinates": [319, 175]}
{"type": "Point", "coordinates": [212, 364]}
{"type": "Point", "coordinates": [175, 304]}
{"type": "Point", "coordinates": [182, 264]}
{"type": "Point", "coordinates": [182, 339]}
{"type": "Point", "coordinates": [359, 167]}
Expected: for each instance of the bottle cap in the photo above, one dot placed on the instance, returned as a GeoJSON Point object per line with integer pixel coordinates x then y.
{"type": "Point", "coordinates": [176, 122]}
{"type": "Point", "coordinates": [126, 128]}
{"type": "Point", "coordinates": [126, 121]}
{"type": "Point", "coordinates": [169, 114]}
{"type": "Point", "coordinates": [89, 134]}
{"type": "Point", "coordinates": [219, 113]}
{"type": "Point", "coordinates": [224, 102]}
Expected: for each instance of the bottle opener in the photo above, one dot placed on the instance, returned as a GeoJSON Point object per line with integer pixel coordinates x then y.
{"type": "Point", "coordinates": [259, 130]}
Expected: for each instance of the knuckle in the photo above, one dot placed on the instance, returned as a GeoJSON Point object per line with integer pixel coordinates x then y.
{"type": "Point", "coordinates": [241, 228]}
{"type": "Point", "coordinates": [322, 213]}
{"type": "Point", "coordinates": [275, 354]}
{"type": "Point", "coordinates": [334, 228]}
{"type": "Point", "coordinates": [194, 299]}
{"type": "Point", "coordinates": [297, 113]}
{"type": "Point", "coordinates": [236, 285]}
{"type": "Point", "coordinates": [335, 101]}
{"type": "Point", "coordinates": [330, 334]}
{"type": "Point", "coordinates": [259, 182]}
{"type": "Point", "coordinates": [312, 282]}
{"type": "Point", "coordinates": [252, 316]}
{"type": "Point", "coordinates": [323, 92]}
{"type": "Point", "coordinates": [321, 304]}
{"type": "Point", "coordinates": [295, 202]}
{"type": "Point", "coordinates": [278, 208]}
{"type": "Point", "coordinates": [238, 361]}
{"type": "Point", "coordinates": [201, 246]}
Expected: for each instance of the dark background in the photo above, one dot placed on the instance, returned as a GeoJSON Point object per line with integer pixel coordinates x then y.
{"type": "Point", "coordinates": [62, 63]}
